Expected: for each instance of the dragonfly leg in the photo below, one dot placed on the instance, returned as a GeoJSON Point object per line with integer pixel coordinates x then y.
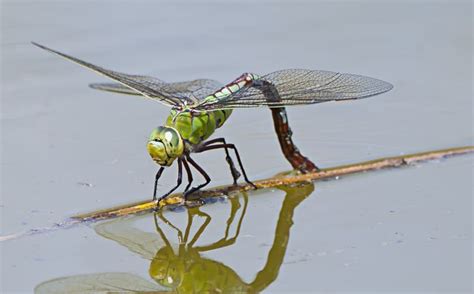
{"type": "Point", "coordinates": [201, 229]}
{"type": "Point", "coordinates": [231, 146]}
{"type": "Point", "coordinates": [201, 171]}
{"type": "Point", "coordinates": [178, 183]}
{"type": "Point", "coordinates": [157, 177]}
{"type": "Point", "coordinates": [225, 241]}
{"type": "Point", "coordinates": [235, 173]}
{"type": "Point", "coordinates": [188, 172]}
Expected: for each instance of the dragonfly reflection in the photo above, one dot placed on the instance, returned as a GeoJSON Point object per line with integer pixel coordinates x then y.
{"type": "Point", "coordinates": [183, 267]}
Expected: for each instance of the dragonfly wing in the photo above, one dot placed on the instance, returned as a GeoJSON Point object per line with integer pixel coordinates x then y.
{"type": "Point", "coordinates": [99, 283]}
{"type": "Point", "coordinates": [193, 91]}
{"type": "Point", "coordinates": [299, 87]}
{"type": "Point", "coordinates": [145, 86]}
{"type": "Point", "coordinates": [116, 88]}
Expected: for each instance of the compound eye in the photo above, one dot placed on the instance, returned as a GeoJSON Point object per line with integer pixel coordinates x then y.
{"type": "Point", "coordinates": [173, 138]}
{"type": "Point", "coordinates": [169, 136]}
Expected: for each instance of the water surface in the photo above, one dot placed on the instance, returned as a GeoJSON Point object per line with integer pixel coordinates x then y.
{"type": "Point", "coordinates": [67, 149]}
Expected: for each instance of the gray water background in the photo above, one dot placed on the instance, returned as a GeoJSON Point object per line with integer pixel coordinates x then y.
{"type": "Point", "coordinates": [68, 149]}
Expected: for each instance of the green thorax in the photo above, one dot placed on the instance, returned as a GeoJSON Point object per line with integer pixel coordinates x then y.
{"type": "Point", "coordinates": [196, 127]}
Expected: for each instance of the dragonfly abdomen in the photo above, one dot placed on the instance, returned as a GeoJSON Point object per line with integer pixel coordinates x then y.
{"type": "Point", "coordinates": [242, 82]}
{"type": "Point", "coordinates": [196, 127]}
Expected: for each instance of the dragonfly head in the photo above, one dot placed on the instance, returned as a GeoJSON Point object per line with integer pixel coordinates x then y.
{"type": "Point", "coordinates": [165, 145]}
{"type": "Point", "coordinates": [167, 268]}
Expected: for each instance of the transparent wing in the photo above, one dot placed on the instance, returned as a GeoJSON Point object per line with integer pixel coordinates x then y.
{"type": "Point", "coordinates": [99, 283]}
{"type": "Point", "coordinates": [145, 86]}
{"type": "Point", "coordinates": [193, 90]}
{"type": "Point", "coordinates": [301, 86]}
{"type": "Point", "coordinates": [120, 88]}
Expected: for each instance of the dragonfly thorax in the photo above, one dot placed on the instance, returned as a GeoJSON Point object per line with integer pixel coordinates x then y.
{"type": "Point", "coordinates": [165, 145]}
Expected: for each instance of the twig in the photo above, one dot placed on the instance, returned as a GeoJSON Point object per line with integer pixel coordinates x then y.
{"type": "Point", "coordinates": [389, 162]}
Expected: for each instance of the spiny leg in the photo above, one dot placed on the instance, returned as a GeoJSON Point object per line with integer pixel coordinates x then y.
{"type": "Point", "coordinates": [201, 171]}
{"type": "Point", "coordinates": [178, 183]}
{"type": "Point", "coordinates": [232, 146]}
{"type": "Point", "coordinates": [189, 224]}
{"type": "Point", "coordinates": [166, 221]}
{"type": "Point", "coordinates": [235, 205]}
{"type": "Point", "coordinates": [160, 231]}
{"type": "Point", "coordinates": [188, 172]}
{"type": "Point", "coordinates": [201, 228]}
{"type": "Point", "coordinates": [235, 173]}
{"type": "Point", "coordinates": [224, 241]}
{"type": "Point", "coordinates": [158, 175]}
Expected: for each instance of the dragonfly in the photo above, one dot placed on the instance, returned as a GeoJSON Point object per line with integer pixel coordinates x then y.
{"type": "Point", "coordinates": [199, 107]}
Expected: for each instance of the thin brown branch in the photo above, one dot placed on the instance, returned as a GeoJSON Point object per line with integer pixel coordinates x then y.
{"type": "Point", "coordinates": [389, 162]}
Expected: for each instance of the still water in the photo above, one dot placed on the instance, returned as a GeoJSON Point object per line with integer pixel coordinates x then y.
{"type": "Point", "coordinates": [67, 149]}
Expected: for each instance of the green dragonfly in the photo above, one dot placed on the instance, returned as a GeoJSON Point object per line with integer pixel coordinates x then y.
{"type": "Point", "coordinates": [199, 107]}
